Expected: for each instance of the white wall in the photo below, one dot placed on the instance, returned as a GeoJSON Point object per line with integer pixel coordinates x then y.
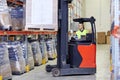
{"type": "Point", "coordinates": [100, 9]}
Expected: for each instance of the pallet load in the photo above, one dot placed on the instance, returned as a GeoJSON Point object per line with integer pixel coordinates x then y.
{"type": "Point", "coordinates": [36, 52]}
{"type": "Point", "coordinates": [5, 20]}
{"type": "Point", "coordinates": [17, 60]}
{"type": "Point", "coordinates": [50, 49]}
{"type": "Point", "coordinates": [5, 69]}
{"type": "Point", "coordinates": [108, 37]}
{"type": "Point", "coordinates": [29, 57]}
{"type": "Point", "coordinates": [17, 18]}
{"type": "Point", "coordinates": [54, 48]}
{"type": "Point", "coordinates": [41, 20]}
{"type": "Point", "coordinates": [43, 51]}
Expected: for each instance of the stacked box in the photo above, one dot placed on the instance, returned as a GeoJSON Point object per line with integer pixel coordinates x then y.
{"type": "Point", "coordinates": [101, 37]}
{"type": "Point", "coordinates": [5, 69]}
{"type": "Point", "coordinates": [108, 40]}
{"type": "Point", "coordinates": [108, 33]}
{"type": "Point", "coordinates": [108, 37]}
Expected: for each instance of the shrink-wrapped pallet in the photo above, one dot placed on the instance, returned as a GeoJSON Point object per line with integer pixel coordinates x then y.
{"type": "Point", "coordinates": [5, 69]}
{"type": "Point", "coordinates": [36, 53]}
{"type": "Point", "coordinates": [54, 48]}
{"type": "Point", "coordinates": [5, 20]}
{"type": "Point", "coordinates": [28, 55]}
{"type": "Point", "coordinates": [50, 49]}
{"type": "Point", "coordinates": [17, 18]}
{"type": "Point", "coordinates": [43, 51]}
{"type": "Point", "coordinates": [17, 60]}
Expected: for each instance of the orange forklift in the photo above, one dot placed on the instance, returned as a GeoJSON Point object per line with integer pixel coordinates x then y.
{"type": "Point", "coordinates": [76, 56]}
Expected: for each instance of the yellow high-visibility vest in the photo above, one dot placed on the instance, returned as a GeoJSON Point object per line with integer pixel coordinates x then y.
{"type": "Point", "coordinates": [79, 33]}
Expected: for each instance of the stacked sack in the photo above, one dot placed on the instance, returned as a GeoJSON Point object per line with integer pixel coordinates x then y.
{"type": "Point", "coordinates": [23, 45]}
{"type": "Point", "coordinates": [5, 19]}
{"type": "Point", "coordinates": [54, 48]}
{"type": "Point", "coordinates": [36, 52]}
{"type": "Point", "coordinates": [5, 69]}
{"type": "Point", "coordinates": [50, 49]}
{"type": "Point", "coordinates": [29, 57]}
{"type": "Point", "coordinates": [17, 60]}
{"type": "Point", "coordinates": [43, 51]}
{"type": "Point", "coordinates": [17, 18]}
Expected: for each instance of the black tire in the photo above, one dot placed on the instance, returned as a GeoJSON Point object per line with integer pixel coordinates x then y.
{"type": "Point", "coordinates": [48, 68]}
{"type": "Point", "coordinates": [55, 72]}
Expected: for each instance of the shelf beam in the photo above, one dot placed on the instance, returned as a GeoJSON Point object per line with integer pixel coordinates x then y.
{"type": "Point", "coordinates": [26, 32]}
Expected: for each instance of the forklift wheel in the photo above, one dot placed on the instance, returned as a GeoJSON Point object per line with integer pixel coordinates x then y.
{"type": "Point", "coordinates": [55, 72]}
{"type": "Point", "coordinates": [48, 68]}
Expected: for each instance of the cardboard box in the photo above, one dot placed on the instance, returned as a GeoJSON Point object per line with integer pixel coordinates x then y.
{"type": "Point", "coordinates": [108, 39]}
{"type": "Point", "coordinates": [101, 38]}
{"type": "Point", "coordinates": [108, 33]}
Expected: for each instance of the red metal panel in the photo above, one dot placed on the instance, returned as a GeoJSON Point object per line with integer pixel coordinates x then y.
{"type": "Point", "coordinates": [88, 53]}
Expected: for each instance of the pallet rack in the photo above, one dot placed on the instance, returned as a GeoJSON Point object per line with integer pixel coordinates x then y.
{"type": "Point", "coordinates": [26, 33]}
{"type": "Point", "coordinates": [76, 10]}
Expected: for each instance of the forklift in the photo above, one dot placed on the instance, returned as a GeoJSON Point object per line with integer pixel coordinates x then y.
{"type": "Point", "coordinates": [76, 56]}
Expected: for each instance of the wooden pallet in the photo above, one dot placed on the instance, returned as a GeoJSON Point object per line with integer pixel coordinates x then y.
{"type": "Point", "coordinates": [41, 29]}
{"type": "Point", "coordinates": [17, 73]}
{"type": "Point", "coordinates": [7, 78]}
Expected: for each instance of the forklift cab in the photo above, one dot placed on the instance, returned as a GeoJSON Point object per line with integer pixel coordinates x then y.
{"type": "Point", "coordinates": [82, 52]}
{"type": "Point", "coordinates": [90, 36]}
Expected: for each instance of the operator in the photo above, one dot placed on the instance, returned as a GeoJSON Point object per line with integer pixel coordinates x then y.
{"type": "Point", "coordinates": [82, 31]}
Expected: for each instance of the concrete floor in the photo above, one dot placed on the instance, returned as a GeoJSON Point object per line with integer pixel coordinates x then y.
{"type": "Point", "coordinates": [103, 70]}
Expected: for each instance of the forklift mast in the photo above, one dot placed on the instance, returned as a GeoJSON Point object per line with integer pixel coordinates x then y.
{"type": "Point", "coordinates": [62, 35]}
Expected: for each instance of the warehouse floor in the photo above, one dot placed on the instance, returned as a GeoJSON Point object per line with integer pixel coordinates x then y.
{"type": "Point", "coordinates": [103, 70]}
